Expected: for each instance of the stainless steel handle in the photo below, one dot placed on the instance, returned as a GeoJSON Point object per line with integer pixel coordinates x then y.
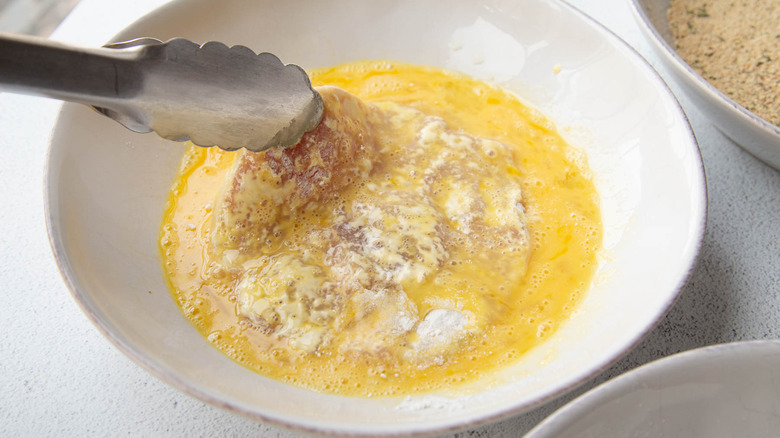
{"type": "Point", "coordinates": [92, 76]}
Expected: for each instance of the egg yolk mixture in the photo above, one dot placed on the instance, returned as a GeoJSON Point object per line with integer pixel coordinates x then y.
{"type": "Point", "coordinates": [429, 231]}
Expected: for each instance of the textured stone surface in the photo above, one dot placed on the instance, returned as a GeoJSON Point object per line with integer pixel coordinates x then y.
{"type": "Point", "coordinates": [60, 377]}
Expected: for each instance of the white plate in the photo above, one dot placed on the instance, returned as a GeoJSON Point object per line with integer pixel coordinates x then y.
{"type": "Point", "coordinates": [754, 134]}
{"type": "Point", "coordinates": [106, 188]}
{"type": "Point", "coordinates": [725, 391]}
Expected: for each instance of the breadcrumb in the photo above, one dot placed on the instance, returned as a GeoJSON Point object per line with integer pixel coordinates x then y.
{"type": "Point", "coordinates": [735, 45]}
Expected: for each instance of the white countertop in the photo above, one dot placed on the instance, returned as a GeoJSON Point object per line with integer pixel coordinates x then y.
{"type": "Point", "coordinates": [60, 377]}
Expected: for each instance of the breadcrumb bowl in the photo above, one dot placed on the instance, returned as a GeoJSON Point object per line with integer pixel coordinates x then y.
{"type": "Point", "coordinates": [106, 190]}
{"type": "Point", "coordinates": [754, 134]}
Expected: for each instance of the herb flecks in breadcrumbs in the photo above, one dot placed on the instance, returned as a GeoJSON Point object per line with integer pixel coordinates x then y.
{"type": "Point", "coordinates": [735, 45]}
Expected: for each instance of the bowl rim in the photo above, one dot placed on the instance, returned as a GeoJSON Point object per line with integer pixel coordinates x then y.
{"type": "Point", "coordinates": [697, 225]}
{"type": "Point", "coordinates": [684, 69]}
{"type": "Point", "coordinates": [623, 384]}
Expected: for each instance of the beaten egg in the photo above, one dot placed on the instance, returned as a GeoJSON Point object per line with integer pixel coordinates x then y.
{"type": "Point", "coordinates": [428, 232]}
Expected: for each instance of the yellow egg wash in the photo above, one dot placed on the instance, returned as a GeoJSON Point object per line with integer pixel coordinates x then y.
{"type": "Point", "coordinates": [454, 231]}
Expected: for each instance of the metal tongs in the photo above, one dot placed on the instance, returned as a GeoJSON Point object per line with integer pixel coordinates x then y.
{"type": "Point", "coordinates": [210, 94]}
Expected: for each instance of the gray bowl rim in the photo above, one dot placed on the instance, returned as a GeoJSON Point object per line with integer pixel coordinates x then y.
{"type": "Point", "coordinates": [571, 411]}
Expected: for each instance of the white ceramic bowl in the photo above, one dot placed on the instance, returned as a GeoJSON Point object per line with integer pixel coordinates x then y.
{"type": "Point", "coordinates": [724, 391]}
{"type": "Point", "coordinates": [754, 134]}
{"type": "Point", "coordinates": [106, 188]}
